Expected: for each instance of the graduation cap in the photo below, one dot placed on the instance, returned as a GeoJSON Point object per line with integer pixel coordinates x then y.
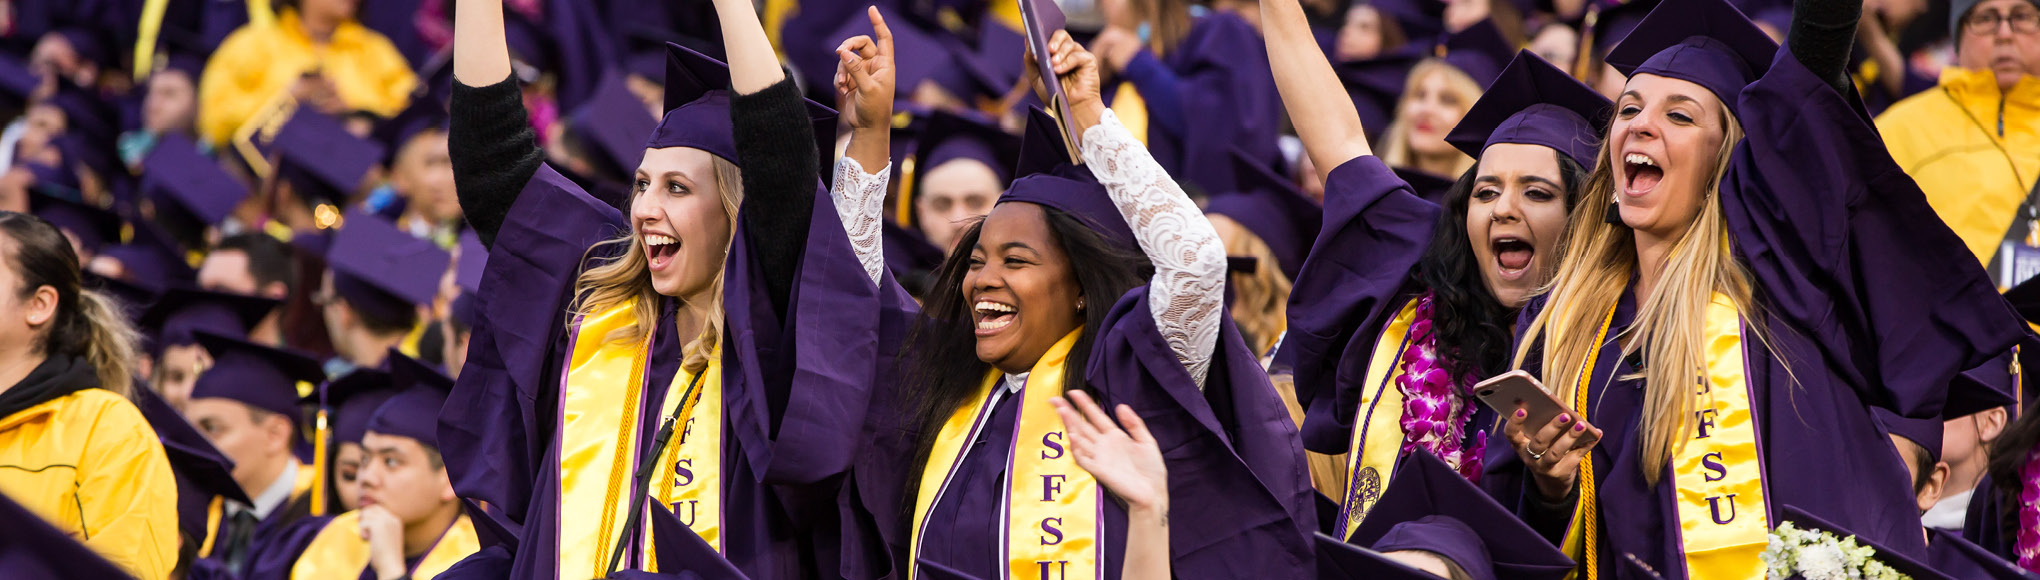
{"type": "Point", "coordinates": [1338, 560]}
{"type": "Point", "coordinates": [1989, 385]}
{"type": "Point", "coordinates": [183, 311]}
{"type": "Point", "coordinates": [947, 137]}
{"type": "Point", "coordinates": [1049, 180]}
{"type": "Point", "coordinates": [134, 300]}
{"type": "Point", "coordinates": [85, 114]}
{"type": "Point", "coordinates": [31, 548]}
{"type": "Point", "coordinates": [414, 410]}
{"type": "Point", "coordinates": [1273, 208]}
{"type": "Point", "coordinates": [1421, 21]}
{"type": "Point", "coordinates": [202, 472]}
{"type": "Point", "coordinates": [1376, 85]}
{"type": "Point", "coordinates": [321, 159]}
{"type": "Point", "coordinates": [1534, 103]}
{"type": "Point", "coordinates": [1958, 557]}
{"type": "Point", "coordinates": [1432, 187]}
{"type": "Point", "coordinates": [91, 226]}
{"type": "Point", "coordinates": [680, 550]}
{"type": "Point", "coordinates": [1480, 51]}
{"type": "Point", "coordinates": [1925, 433]}
{"type": "Point", "coordinates": [1428, 506]}
{"type": "Point", "coordinates": [259, 376]}
{"type": "Point", "coordinates": [424, 114]}
{"type": "Point", "coordinates": [1042, 18]}
{"type": "Point", "coordinates": [920, 53]}
{"type": "Point", "coordinates": [698, 107]}
{"type": "Point", "coordinates": [181, 179]}
{"type": "Point", "coordinates": [614, 125]}
{"type": "Point", "coordinates": [151, 259]}
{"type": "Point", "coordinates": [349, 401]}
{"type": "Point", "coordinates": [1706, 42]}
{"type": "Point", "coordinates": [1607, 22]}
{"type": "Point", "coordinates": [382, 270]}
{"type": "Point", "coordinates": [1894, 559]}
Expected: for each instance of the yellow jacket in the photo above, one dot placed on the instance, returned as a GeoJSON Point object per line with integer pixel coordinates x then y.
{"type": "Point", "coordinates": [1974, 150]}
{"type": "Point", "coordinates": [258, 63]}
{"type": "Point", "coordinates": [89, 463]}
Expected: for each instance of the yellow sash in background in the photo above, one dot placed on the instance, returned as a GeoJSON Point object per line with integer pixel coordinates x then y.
{"type": "Point", "coordinates": [1378, 419]}
{"type": "Point", "coordinates": [1052, 506]}
{"type": "Point", "coordinates": [598, 440]}
{"type": "Point", "coordinates": [339, 552]}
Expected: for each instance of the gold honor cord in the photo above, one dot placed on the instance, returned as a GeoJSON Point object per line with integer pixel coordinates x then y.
{"type": "Point", "coordinates": [1378, 419]}
{"type": "Point", "coordinates": [1583, 537]}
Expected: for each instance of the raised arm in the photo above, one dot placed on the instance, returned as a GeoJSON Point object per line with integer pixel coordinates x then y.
{"type": "Point", "coordinates": [776, 142]}
{"type": "Point", "coordinates": [1822, 35]}
{"type": "Point", "coordinates": [1325, 118]}
{"type": "Point", "coordinates": [1187, 295]}
{"type": "Point", "coordinates": [493, 148]}
{"type": "Point", "coordinates": [864, 83]}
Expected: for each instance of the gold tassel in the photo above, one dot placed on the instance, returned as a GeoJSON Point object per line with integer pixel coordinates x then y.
{"type": "Point", "coordinates": [320, 463]}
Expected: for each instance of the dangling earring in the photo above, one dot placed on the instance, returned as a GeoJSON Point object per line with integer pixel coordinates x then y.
{"type": "Point", "coordinates": [1614, 211]}
{"type": "Point", "coordinates": [1080, 304]}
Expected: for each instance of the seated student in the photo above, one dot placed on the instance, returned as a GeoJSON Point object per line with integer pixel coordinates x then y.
{"type": "Point", "coordinates": [1918, 442]}
{"type": "Point", "coordinates": [410, 523]}
{"type": "Point", "coordinates": [379, 279]}
{"type": "Point", "coordinates": [420, 174]}
{"type": "Point", "coordinates": [246, 403]}
{"type": "Point", "coordinates": [319, 169]}
{"type": "Point", "coordinates": [176, 316]}
{"type": "Point", "coordinates": [1432, 520]}
{"type": "Point", "coordinates": [150, 260]}
{"type": "Point", "coordinates": [205, 483]}
{"type": "Point", "coordinates": [77, 452]}
{"type": "Point", "coordinates": [347, 403]}
{"type": "Point", "coordinates": [314, 52]}
{"type": "Point", "coordinates": [252, 264]}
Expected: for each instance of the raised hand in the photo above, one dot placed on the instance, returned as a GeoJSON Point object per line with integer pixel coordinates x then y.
{"type": "Point", "coordinates": [864, 76]}
{"type": "Point", "coordinates": [1127, 462]}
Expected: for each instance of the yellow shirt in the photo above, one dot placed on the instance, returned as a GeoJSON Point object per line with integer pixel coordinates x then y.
{"type": "Point", "coordinates": [89, 464]}
{"type": "Point", "coordinates": [1972, 150]}
{"type": "Point", "coordinates": [257, 63]}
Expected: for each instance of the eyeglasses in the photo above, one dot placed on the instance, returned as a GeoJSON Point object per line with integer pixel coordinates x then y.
{"type": "Point", "coordinates": [1985, 23]}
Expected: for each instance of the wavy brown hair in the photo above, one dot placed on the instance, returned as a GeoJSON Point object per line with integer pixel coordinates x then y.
{"type": "Point", "coordinates": [627, 279]}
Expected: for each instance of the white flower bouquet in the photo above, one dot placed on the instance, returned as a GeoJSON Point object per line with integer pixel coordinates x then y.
{"type": "Point", "coordinates": [1818, 555]}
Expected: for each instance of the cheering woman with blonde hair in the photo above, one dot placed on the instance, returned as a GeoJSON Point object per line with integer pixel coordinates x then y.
{"type": "Point", "coordinates": [1750, 273]}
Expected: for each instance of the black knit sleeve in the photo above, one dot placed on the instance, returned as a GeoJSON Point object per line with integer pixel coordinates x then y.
{"type": "Point", "coordinates": [1823, 32]}
{"type": "Point", "coordinates": [781, 169]}
{"type": "Point", "coordinates": [494, 152]}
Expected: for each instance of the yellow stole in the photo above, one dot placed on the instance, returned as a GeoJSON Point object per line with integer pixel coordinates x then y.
{"type": "Point", "coordinates": [1717, 473]}
{"type": "Point", "coordinates": [1131, 110]}
{"type": "Point", "coordinates": [1052, 506]}
{"type": "Point", "coordinates": [1378, 419]}
{"type": "Point", "coordinates": [693, 459]}
{"type": "Point", "coordinates": [339, 552]}
{"type": "Point", "coordinates": [600, 394]}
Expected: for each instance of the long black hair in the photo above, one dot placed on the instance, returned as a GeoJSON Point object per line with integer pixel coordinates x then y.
{"type": "Point", "coordinates": [1472, 325]}
{"type": "Point", "coordinates": [943, 371]}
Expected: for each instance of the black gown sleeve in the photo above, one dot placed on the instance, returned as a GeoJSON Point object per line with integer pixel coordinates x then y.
{"type": "Point", "coordinates": [494, 152]}
{"type": "Point", "coordinates": [776, 145]}
{"type": "Point", "coordinates": [1823, 32]}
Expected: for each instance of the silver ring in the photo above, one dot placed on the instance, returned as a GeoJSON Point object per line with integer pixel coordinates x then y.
{"type": "Point", "coordinates": [1535, 455]}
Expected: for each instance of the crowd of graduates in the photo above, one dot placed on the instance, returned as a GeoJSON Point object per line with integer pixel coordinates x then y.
{"type": "Point", "coordinates": [1019, 289]}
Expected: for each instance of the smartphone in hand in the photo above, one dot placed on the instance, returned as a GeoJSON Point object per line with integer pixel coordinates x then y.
{"type": "Point", "coordinates": [1517, 389]}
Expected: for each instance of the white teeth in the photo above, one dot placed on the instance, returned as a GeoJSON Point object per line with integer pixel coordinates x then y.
{"type": "Point", "coordinates": [994, 324]}
{"type": "Point", "coordinates": [989, 306]}
{"type": "Point", "coordinates": [1639, 159]}
{"type": "Point", "coordinates": [658, 240]}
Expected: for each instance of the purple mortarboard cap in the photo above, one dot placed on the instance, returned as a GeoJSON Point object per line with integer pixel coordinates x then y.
{"type": "Point", "coordinates": [698, 107]}
{"type": "Point", "coordinates": [321, 158]}
{"type": "Point", "coordinates": [192, 65]}
{"type": "Point", "coordinates": [999, 57]}
{"type": "Point", "coordinates": [1480, 51]}
{"type": "Point", "coordinates": [424, 114]}
{"type": "Point", "coordinates": [1706, 42]}
{"type": "Point", "coordinates": [176, 174]}
{"type": "Point", "coordinates": [650, 64]}
{"type": "Point", "coordinates": [202, 471]}
{"type": "Point", "coordinates": [936, 571]}
{"type": "Point", "coordinates": [1431, 187]}
{"type": "Point", "coordinates": [17, 81]}
{"type": "Point", "coordinates": [414, 411]}
{"type": "Point", "coordinates": [1534, 103]}
{"type": "Point", "coordinates": [909, 255]}
{"type": "Point", "coordinates": [1424, 490]}
{"type": "Point", "coordinates": [1925, 433]}
{"type": "Point", "coordinates": [614, 123]}
{"type": "Point", "coordinates": [93, 227]}
{"type": "Point", "coordinates": [1338, 560]}
{"type": "Point", "coordinates": [151, 259]}
{"type": "Point", "coordinates": [1421, 21]}
{"type": "Point", "coordinates": [948, 137]}
{"type": "Point", "coordinates": [1273, 208]}
{"type": "Point", "coordinates": [82, 151]}
{"type": "Point", "coordinates": [1048, 179]}
{"type": "Point", "coordinates": [181, 312]}
{"type": "Point", "coordinates": [1890, 557]}
{"type": "Point", "coordinates": [1376, 85]}
{"type": "Point", "coordinates": [681, 551]}
{"type": "Point", "coordinates": [1989, 385]}
{"type": "Point", "coordinates": [31, 548]}
{"type": "Point", "coordinates": [262, 377]}
{"type": "Point", "coordinates": [351, 400]}
{"type": "Point", "coordinates": [919, 53]}
{"type": "Point", "coordinates": [1613, 21]}
{"type": "Point", "coordinates": [383, 270]}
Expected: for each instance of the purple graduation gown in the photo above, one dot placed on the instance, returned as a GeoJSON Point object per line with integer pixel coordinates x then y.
{"type": "Point", "coordinates": [793, 401]}
{"type": "Point", "coordinates": [280, 553]}
{"type": "Point", "coordinates": [1220, 72]}
{"type": "Point", "coordinates": [1231, 452]}
{"type": "Point", "coordinates": [1859, 294]}
{"type": "Point", "coordinates": [1962, 560]}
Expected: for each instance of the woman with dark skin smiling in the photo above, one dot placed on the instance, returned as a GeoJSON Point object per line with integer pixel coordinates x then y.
{"type": "Point", "coordinates": [1102, 281]}
{"type": "Point", "coordinates": [1749, 273]}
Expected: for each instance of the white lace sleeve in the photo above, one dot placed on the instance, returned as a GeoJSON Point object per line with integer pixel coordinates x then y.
{"type": "Point", "coordinates": [860, 202]}
{"type": "Point", "coordinates": [1188, 292]}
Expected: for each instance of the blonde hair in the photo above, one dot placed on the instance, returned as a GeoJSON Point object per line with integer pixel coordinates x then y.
{"type": "Point", "coordinates": [627, 278]}
{"type": "Point", "coordinates": [1260, 301]}
{"type": "Point", "coordinates": [1395, 141]}
{"type": "Point", "coordinates": [1594, 271]}
{"type": "Point", "coordinates": [110, 341]}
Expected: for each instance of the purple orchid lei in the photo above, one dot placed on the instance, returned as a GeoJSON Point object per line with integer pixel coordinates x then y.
{"type": "Point", "coordinates": [2027, 545]}
{"type": "Point", "coordinates": [1436, 409]}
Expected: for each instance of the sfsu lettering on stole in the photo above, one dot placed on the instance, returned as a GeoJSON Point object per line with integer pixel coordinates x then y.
{"type": "Point", "coordinates": [1703, 422]}
{"type": "Point", "coordinates": [1051, 486]}
{"type": "Point", "coordinates": [683, 476]}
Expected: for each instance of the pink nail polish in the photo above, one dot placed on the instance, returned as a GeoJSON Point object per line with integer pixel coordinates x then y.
{"type": "Point", "coordinates": [1579, 427]}
{"type": "Point", "coordinates": [1563, 419]}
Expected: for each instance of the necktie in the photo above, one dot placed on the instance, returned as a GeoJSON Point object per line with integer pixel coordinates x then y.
{"type": "Point", "coordinates": [240, 533]}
